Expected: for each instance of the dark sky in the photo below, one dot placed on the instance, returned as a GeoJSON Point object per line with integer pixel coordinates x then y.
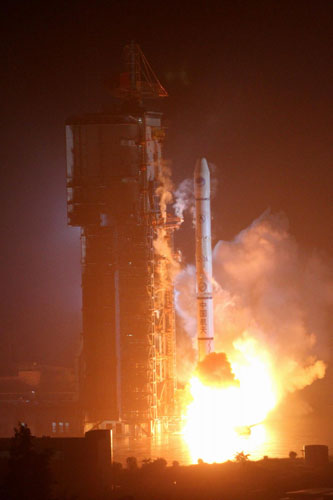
{"type": "Point", "coordinates": [250, 87]}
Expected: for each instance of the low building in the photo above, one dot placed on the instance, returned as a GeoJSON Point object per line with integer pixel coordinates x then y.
{"type": "Point", "coordinates": [80, 466]}
{"type": "Point", "coordinates": [42, 396]}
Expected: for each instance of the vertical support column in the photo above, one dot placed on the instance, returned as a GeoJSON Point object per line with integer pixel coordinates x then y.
{"type": "Point", "coordinates": [118, 342]}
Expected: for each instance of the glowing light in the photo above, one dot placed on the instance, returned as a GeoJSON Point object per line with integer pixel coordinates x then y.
{"type": "Point", "coordinates": [221, 422]}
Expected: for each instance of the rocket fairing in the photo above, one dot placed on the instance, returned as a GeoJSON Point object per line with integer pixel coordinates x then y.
{"type": "Point", "coordinates": [203, 256]}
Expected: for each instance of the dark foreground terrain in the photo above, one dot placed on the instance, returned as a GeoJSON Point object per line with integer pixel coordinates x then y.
{"type": "Point", "coordinates": [269, 479]}
{"type": "Point", "coordinates": [238, 480]}
{"type": "Point", "coordinates": [29, 472]}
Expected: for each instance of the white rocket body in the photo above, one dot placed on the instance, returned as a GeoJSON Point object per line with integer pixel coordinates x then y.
{"type": "Point", "coordinates": [204, 288]}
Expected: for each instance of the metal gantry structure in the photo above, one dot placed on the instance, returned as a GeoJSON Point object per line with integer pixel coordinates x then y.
{"type": "Point", "coordinates": [115, 180]}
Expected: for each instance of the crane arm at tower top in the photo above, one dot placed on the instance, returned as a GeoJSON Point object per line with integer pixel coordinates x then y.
{"type": "Point", "coordinates": [138, 81]}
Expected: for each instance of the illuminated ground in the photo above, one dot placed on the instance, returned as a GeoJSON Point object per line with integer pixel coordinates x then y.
{"type": "Point", "coordinates": [279, 439]}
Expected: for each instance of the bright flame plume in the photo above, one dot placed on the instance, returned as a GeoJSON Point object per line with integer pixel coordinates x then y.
{"type": "Point", "coordinates": [221, 422]}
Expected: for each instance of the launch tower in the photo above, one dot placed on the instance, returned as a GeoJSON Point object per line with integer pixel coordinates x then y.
{"type": "Point", "coordinates": [114, 181]}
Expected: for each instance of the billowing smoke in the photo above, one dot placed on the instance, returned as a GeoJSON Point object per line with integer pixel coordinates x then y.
{"type": "Point", "coordinates": [269, 297]}
{"type": "Point", "coordinates": [162, 243]}
{"type": "Point", "coordinates": [184, 197]}
{"type": "Point", "coordinates": [215, 371]}
{"type": "Point", "coordinates": [164, 189]}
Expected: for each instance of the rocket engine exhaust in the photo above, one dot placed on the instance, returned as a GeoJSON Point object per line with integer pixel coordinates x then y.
{"type": "Point", "coordinates": [203, 256]}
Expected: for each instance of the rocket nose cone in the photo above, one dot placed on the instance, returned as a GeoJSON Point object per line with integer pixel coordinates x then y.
{"type": "Point", "coordinates": [201, 167]}
{"type": "Point", "coordinates": [201, 179]}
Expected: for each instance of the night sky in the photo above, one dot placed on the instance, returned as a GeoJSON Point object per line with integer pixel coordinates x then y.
{"type": "Point", "coordinates": [250, 87]}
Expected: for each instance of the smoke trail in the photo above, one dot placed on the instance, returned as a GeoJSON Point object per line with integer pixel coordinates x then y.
{"type": "Point", "coordinates": [164, 190]}
{"type": "Point", "coordinates": [184, 195]}
{"type": "Point", "coordinates": [268, 296]}
{"type": "Point", "coordinates": [184, 199]}
{"type": "Point", "coordinates": [169, 265]}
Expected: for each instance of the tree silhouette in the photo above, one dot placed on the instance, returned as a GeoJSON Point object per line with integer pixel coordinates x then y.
{"type": "Point", "coordinates": [28, 470]}
{"type": "Point", "coordinates": [131, 464]}
{"type": "Point", "coordinates": [242, 457]}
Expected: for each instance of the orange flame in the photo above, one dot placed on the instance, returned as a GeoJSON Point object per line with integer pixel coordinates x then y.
{"type": "Point", "coordinates": [221, 422]}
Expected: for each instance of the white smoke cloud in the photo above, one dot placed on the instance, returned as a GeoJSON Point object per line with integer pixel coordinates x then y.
{"type": "Point", "coordinates": [165, 187]}
{"type": "Point", "coordinates": [184, 194]}
{"type": "Point", "coordinates": [162, 243]}
{"type": "Point", "coordinates": [267, 293]}
{"type": "Point", "coordinates": [184, 199]}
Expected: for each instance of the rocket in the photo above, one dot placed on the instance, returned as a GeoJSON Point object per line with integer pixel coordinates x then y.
{"type": "Point", "coordinates": [203, 257]}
